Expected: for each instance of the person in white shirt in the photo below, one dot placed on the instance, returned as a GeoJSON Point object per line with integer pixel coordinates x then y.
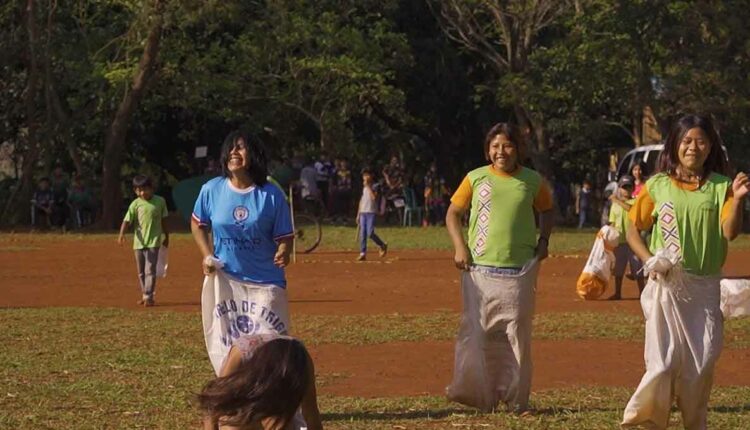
{"type": "Point", "coordinates": [368, 208]}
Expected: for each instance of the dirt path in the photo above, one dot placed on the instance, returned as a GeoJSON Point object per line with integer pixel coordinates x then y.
{"type": "Point", "coordinates": [96, 272]}
{"type": "Point", "coordinates": [425, 368]}
{"type": "Point", "coordinates": [100, 273]}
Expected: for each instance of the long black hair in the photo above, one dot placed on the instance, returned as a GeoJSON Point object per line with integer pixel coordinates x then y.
{"type": "Point", "coordinates": [715, 162]}
{"type": "Point", "coordinates": [269, 385]}
{"type": "Point", "coordinates": [258, 163]}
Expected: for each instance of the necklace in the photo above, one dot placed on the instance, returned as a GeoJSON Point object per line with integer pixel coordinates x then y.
{"type": "Point", "coordinates": [688, 177]}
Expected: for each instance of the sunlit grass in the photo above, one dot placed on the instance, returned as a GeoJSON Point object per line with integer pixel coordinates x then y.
{"type": "Point", "coordinates": [75, 368]}
{"type": "Point", "coordinates": [343, 238]}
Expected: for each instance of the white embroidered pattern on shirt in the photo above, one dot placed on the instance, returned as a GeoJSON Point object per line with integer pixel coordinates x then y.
{"type": "Point", "coordinates": [484, 193]}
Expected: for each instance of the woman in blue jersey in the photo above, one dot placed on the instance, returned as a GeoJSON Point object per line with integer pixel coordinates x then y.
{"type": "Point", "coordinates": [248, 218]}
{"type": "Point", "coordinates": [243, 228]}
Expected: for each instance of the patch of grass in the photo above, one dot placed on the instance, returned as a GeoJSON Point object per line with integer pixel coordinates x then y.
{"type": "Point", "coordinates": [12, 248]}
{"type": "Point", "coordinates": [342, 238]}
{"type": "Point", "coordinates": [578, 408]}
{"type": "Point", "coordinates": [64, 325]}
{"type": "Point", "coordinates": [73, 368]}
{"type": "Point", "coordinates": [564, 241]}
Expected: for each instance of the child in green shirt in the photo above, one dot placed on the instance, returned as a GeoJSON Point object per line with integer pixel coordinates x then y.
{"type": "Point", "coordinates": [147, 214]}
{"type": "Point", "coordinates": [618, 216]}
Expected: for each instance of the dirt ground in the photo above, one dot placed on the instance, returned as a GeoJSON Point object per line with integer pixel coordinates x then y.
{"type": "Point", "coordinates": [98, 272]}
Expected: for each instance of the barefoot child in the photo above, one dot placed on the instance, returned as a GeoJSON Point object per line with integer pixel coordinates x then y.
{"type": "Point", "coordinates": [147, 213]}
{"type": "Point", "coordinates": [500, 265]}
{"type": "Point", "coordinates": [695, 210]}
{"type": "Point", "coordinates": [368, 208]}
{"type": "Point", "coordinates": [621, 203]}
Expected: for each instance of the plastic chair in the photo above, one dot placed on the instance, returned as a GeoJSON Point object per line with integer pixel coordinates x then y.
{"type": "Point", "coordinates": [410, 206]}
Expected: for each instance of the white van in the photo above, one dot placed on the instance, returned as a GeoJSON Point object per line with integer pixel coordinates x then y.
{"type": "Point", "coordinates": [649, 154]}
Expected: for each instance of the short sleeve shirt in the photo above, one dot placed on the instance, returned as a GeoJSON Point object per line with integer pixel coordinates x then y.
{"type": "Point", "coordinates": [618, 218]}
{"type": "Point", "coordinates": [687, 217]}
{"type": "Point", "coordinates": [502, 228]}
{"type": "Point", "coordinates": [146, 216]}
{"type": "Point", "coordinates": [246, 226]}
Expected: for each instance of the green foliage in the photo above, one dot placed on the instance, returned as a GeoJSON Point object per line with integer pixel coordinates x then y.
{"type": "Point", "coordinates": [369, 78]}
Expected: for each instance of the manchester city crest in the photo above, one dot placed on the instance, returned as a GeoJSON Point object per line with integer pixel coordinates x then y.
{"type": "Point", "coordinates": [240, 214]}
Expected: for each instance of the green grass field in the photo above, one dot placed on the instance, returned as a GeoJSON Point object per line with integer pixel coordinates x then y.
{"type": "Point", "coordinates": [76, 368]}
{"type": "Point", "coordinates": [341, 238]}
{"type": "Point", "coordinates": [92, 368]}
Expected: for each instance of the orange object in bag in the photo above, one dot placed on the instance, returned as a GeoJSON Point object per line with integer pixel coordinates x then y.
{"type": "Point", "coordinates": [595, 276]}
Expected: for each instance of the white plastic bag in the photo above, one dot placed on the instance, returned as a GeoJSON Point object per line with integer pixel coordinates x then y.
{"type": "Point", "coordinates": [162, 262]}
{"type": "Point", "coordinates": [232, 308]}
{"type": "Point", "coordinates": [595, 275]}
{"type": "Point", "coordinates": [735, 297]}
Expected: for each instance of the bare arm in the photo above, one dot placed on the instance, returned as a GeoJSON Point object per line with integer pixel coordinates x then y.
{"type": "Point", "coordinates": [636, 243]}
{"type": "Point", "coordinates": [546, 222]}
{"type": "Point", "coordinates": [732, 226]}
{"type": "Point", "coordinates": [121, 238]}
{"type": "Point", "coordinates": [462, 257]}
{"type": "Point", "coordinates": [201, 237]}
{"type": "Point", "coordinates": [310, 401]}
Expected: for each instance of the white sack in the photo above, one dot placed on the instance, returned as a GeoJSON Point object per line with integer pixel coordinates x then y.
{"type": "Point", "coordinates": [684, 337]}
{"type": "Point", "coordinates": [493, 346]}
{"type": "Point", "coordinates": [232, 308]}
{"type": "Point", "coordinates": [735, 297]}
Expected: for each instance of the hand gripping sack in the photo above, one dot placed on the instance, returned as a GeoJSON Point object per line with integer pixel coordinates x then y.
{"type": "Point", "coordinates": [232, 308]}
{"type": "Point", "coordinates": [595, 276]}
{"type": "Point", "coordinates": [735, 297]}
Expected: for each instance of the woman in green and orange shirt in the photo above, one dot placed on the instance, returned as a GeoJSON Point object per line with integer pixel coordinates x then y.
{"type": "Point", "coordinates": [695, 209]}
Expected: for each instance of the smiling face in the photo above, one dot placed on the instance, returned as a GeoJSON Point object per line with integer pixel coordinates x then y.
{"type": "Point", "coordinates": [238, 160]}
{"type": "Point", "coordinates": [503, 154]}
{"type": "Point", "coordinates": [637, 172]}
{"type": "Point", "coordinates": [693, 149]}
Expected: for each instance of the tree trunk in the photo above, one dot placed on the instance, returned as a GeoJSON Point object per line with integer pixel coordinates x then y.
{"type": "Point", "coordinates": [18, 202]}
{"type": "Point", "coordinates": [115, 143]}
{"type": "Point", "coordinates": [637, 133]}
{"type": "Point", "coordinates": [536, 136]}
{"type": "Point", "coordinates": [651, 130]}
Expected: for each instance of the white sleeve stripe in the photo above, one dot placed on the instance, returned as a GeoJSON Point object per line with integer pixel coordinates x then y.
{"type": "Point", "coordinates": [284, 236]}
{"type": "Point", "coordinates": [198, 220]}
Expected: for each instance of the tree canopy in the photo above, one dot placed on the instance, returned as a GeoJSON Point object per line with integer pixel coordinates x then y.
{"type": "Point", "coordinates": [110, 87]}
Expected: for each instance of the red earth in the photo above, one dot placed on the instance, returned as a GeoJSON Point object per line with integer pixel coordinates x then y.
{"type": "Point", "coordinates": [94, 271]}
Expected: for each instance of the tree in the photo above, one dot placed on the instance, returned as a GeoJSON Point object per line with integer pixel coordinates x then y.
{"type": "Point", "coordinates": [115, 143]}
{"type": "Point", "coordinates": [505, 34]}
